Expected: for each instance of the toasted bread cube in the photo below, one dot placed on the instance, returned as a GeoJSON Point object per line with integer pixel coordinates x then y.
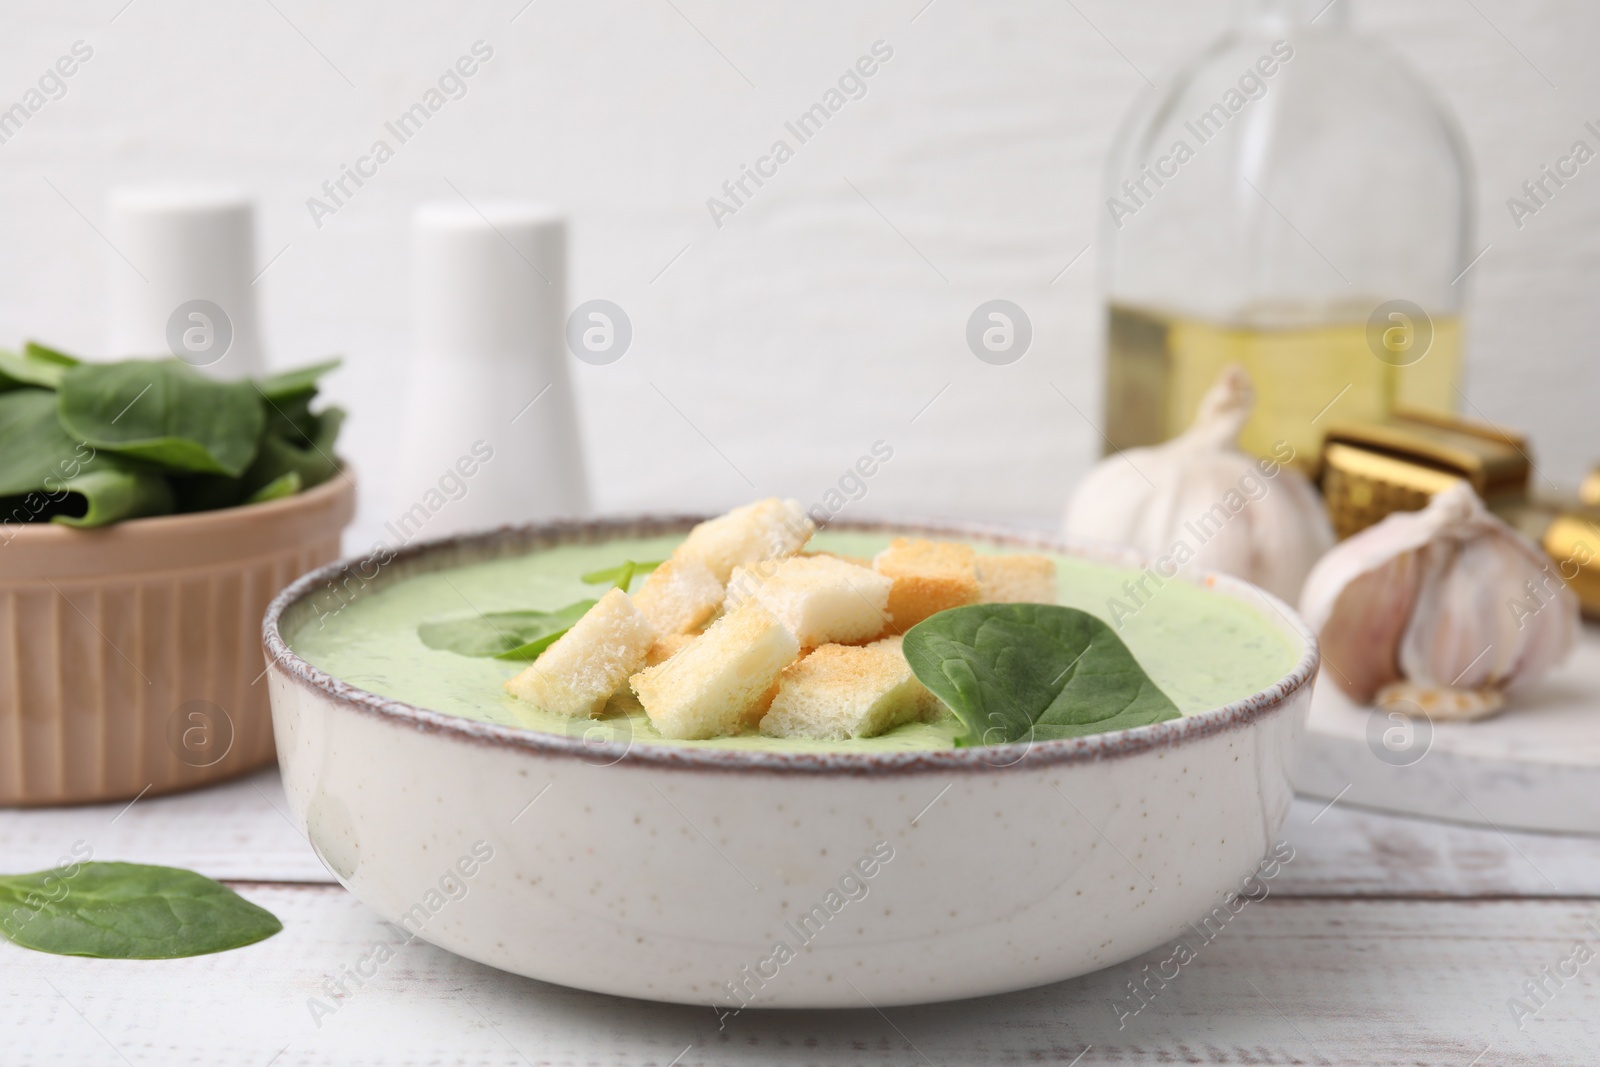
{"type": "Point", "coordinates": [679, 596]}
{"type": "Point", "coordinates": [819, 599]}
{"type": "Point", "coordinates": [1016, 580]}
{"type": "Point", "coordinates": [767, 529]}
{"type": "Point", "coordinates": [842, 691]}
{"type": "Point", "coordinates": [711, 687]}
{"type": "Point", "coordinates": [929, 577]}
{"type": "Point", "coordinates": [666, 646]}
{"type": "Point", "coordinates": [579, 672]}
{"type": "Point", "coordinates": [929, 707]}
{"type": "Point", "coordinates": [857, 560]}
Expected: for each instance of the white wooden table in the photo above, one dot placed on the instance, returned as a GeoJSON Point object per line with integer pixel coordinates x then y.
{"type": "Point", "coordinates": [1385, 941]}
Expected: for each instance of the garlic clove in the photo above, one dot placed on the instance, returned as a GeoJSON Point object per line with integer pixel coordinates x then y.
{"type": "Point", "coordinates": [1446, 643]}
{"type": "Point", "coordinates": [1199, 502]}
{"type": "Point", "coordinates": [1447, 607]}
{"type": "Point", "coordinates": [1362, 629]}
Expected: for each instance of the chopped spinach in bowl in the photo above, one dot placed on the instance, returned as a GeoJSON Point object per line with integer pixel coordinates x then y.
{"type": "Point", "coordinates": [90, 444]}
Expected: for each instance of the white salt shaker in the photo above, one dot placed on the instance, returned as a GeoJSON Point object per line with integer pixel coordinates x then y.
{"type": "Point", "coordinates": [182, 278]}
{"type": "Point", "coordinates": [491, 430]}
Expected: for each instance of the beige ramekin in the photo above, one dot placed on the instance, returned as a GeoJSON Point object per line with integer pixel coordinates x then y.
{"type": "Point", "coordinates": [130, 657]}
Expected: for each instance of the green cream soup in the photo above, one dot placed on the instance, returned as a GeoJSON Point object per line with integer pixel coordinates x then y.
{"type": "Point", "coordinates": [1203, 649]}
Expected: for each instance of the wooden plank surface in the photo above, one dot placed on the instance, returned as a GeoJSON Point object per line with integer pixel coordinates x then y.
{"type": "Point", "coordinates": [240, 831]}
{"type": "Point", "coordinates": [1386, 940]}
{"type": "Point", "coordinates": [1287, 982]}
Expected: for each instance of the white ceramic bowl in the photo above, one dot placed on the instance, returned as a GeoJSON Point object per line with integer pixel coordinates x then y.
{"type": "Point", "coordinates": [731, 877]}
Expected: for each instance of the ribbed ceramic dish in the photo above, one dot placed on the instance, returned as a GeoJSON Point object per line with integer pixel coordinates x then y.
{"type": "Point", "coordinates": [734, 878]}
{"type": "Point", "coordinates": [129, 655]}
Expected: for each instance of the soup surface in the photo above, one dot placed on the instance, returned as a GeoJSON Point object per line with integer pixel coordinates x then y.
{"type": "Point", "coordinates": [1202, 648]}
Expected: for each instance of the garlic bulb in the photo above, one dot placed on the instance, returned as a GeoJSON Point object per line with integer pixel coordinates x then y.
{"type": "Point", "coordinates": [1445, 610]}
{"type": "Point", "coordinates": [1198, 501]}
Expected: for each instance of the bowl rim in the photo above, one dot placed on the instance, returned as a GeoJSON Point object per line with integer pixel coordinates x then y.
{"type": "Point", "coordinates": [282, 661]}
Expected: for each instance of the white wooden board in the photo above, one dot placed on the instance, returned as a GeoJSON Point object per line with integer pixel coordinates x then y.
{"type": "Point", "coordinates": [1535, 766]}
{"type": "Point", "coordinates": [1386, 940]}
{"type": "Point", "coordinates": [237, 832]}
{"type": "Point", "coordinates": [1287, 982]}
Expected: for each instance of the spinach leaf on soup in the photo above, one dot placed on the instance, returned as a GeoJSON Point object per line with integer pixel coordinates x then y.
{"type": "Point", "coordinates": [1018, 672]}
{"type": "Point", "coordinates": [519, 635]}
{"type": "Point", "coordinates": [165, 412]}
{"type": "Point", "coordinates": [127, 911]}
{"type": "Point", "coordinates": [622, 575]}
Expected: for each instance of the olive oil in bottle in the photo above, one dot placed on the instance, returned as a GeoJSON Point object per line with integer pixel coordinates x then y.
{"type": "Point", "coordinates": [1306, 376]}
{"type": "Point", "coordinates": [1292, 199]}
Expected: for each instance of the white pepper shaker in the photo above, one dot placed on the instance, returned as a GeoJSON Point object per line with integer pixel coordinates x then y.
{"type": "Point", "coordinates": [491, 430]}
{"type": "Point", "coordinates": [182, 278]}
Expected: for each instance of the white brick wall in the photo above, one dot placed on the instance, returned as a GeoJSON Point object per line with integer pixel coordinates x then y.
{"type": "Point", "coordinates": [807, 327]}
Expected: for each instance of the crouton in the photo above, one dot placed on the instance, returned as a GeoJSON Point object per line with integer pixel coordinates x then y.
{"type": "Point", "coordinates": [841, 691]}
{"type": "Point", "coordinates": [857, 560]}
{"type": "Point", "coordinates": [1016, 580]}
{"type": "Point", "coordinates": [666, 646]}
{"type": "Point", "coordinates": [819, 599]}
{"type": "Point", "coordinates": [767, 529]}
{"type": "Point", "coordinates": [711, 687]}
{"type": "Point", "coordinates": [929, 576]}
{"type": "Point", "coordinates": [929, 707]}
{"type": "Point", "coordinates": [592, 660]}
{"type": "Point", "coordinates": [679, 596]}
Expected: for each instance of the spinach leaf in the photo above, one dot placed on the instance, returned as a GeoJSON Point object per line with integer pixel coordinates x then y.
{"type": "Point", "coordinates": [281, 486]}
{"type": "Point", "coordinates": [163, 411]}
{"type": "Point", "coordinates": [45, 354]}
{"type": "Point", "coordinates": [33, 446]}
{"type": "Point", "coordinates": [66, 480]}
{"type": "Point", "coordinates": [622, 574]}
{"type": "Point", "coordinates": [519, 635]}
{"type": "Point", "coordinates": [1018, 672]}
{"type": "Point", "coordinates": [291, 417]}
{"type": "Point", "coordinates": [128, 911]}
{"type": "Point", "coordinates": [288, 396]}
{"type": "Point", "coordinates": [278, 461]}
{"type": "Point", "coordinates": [27, 369]}
{"type": "Point", "coordinates": [113, 492]}
{"type": "Point", "coordinates": [313, 462]}
{"type": "Point", "coordinates": [287, 383]}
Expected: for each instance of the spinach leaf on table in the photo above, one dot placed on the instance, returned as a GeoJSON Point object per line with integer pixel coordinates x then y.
{"type": "Point", "coordinates": [165, 412]}
{"type": "Point", "coordinates": [128, 911]}
{"type": "Point", "coordinates": [1018, 672]}
{"type": "Point", "coordinates": [516, 635]}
